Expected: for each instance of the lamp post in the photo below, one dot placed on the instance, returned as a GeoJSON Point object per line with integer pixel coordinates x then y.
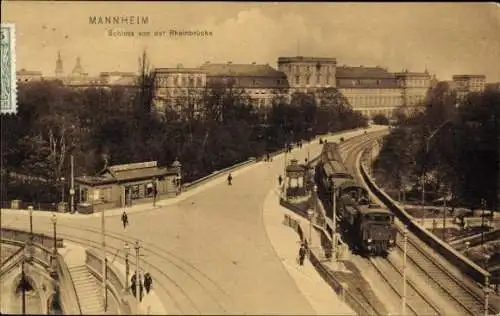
{"type": "Point", "coordinates": [62, 189]}
{"type": "Point", "coordinates": [54, 223]}
{"type": "Point", "coordinates": [427, 142]}
{"type": "Point", "coordinates": [405, 245]}
{"type": "Point", "coordinates": [444, 214]}
{"type": "Point", "coordinates": [104, 261]}
{"type": "Point", "coordinates": [127, 267]}
{"type": "Point", "coordinates": [483, 206]}
{"type": "Point", "coordinates": [30, 208]}
{"type": "Point", "coordinates": [334, 220]}
{"type": "Point", "coordinates": [310, 214]}
{"type": "Point", "coordinates": [487, 291]}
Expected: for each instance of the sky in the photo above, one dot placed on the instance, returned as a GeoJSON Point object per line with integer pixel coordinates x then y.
{"type": "Point", "coordinates": [445, 38]}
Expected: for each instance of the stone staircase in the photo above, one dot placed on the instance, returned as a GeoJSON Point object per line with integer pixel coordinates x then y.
{"type": "Point", "coordinates": [87, 290]}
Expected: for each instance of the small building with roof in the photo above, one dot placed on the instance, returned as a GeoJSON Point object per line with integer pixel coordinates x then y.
{"type": "Point", "coordinates": [124, 185]}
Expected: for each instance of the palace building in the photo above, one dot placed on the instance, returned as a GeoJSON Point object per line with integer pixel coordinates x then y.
{"type": "Point", "coordinates": [369, 90]}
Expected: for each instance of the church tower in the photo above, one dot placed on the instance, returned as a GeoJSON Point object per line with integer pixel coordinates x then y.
{"type": "Point", "coordinates": [78, 70]}
{"type": "Point", "coordinates": [59, 65]}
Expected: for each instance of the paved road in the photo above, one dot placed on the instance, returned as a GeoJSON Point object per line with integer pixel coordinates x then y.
{"type": "Point", "coordinates": [210, 252]}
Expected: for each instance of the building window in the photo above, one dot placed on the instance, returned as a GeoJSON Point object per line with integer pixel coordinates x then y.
{"type": "Point", "coordinates": [254, 82]}
{"type": "Point", "coordinates": [318, 79]}
{"type": "Point", "coordinates": [297, 79]}
{"type": "Point", "coordinates": [308, 79]}
{"type": "Point", "coordinates": [178, 81]}
{"type": "Point", "coordinates": [328, 80]}
{"type": "Point", "coordinates": [191, 82]}
{"type": "Point", "coordinates": [184, 81]}
{"type": "Point", "coordinates": [297, 69]}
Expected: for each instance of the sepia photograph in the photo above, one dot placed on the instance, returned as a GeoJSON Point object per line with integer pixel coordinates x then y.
{"type": "Point", "coordinates": [250, 158]}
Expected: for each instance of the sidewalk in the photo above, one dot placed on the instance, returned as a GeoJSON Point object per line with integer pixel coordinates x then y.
{"type": "Point", "coordinates": [286, 243]}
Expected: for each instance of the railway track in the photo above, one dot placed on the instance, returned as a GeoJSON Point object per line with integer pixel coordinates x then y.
{"type": "Point", "coordinates": [417, 302]}
{"type": "Point", "coordinates": [460, 300]}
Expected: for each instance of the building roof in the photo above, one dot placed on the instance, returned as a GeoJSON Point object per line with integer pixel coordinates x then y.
{"type": "Point", "coordinates": [363, 72]}
{"type": "Point", "coordinates": [384, 84]}
{"type": "Point", "coordinates": [117, 73]}
{"type": "Point", "coordinates": [459, 77]}
{"type": "Point", "coordinates": [306, 59]}
{"type": "Point", "coordinates": [28, 72]}
{"type": "Point", "coordinates": [179, 70]}
{"type": "Point", "coordinates": [127, 173]}
{"type": "Point", "coordinates": [241, 70]}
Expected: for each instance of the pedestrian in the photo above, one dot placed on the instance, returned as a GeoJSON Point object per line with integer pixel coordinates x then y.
{"type": "Point", "coordinates": [124, 219]}
{"type": "Point", "coordinates": [280, 179]}
{"type": "Point", "coordinates": [229, 179]}
{"type": "Point", "coordinates": [302, 254]}
{"type": "Point", "coordinates": [148, 282]}
{"type": "Point", "coordinates": [268, 157]}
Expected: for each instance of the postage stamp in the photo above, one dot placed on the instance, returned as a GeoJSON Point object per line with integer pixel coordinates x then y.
{"type": "Point", "coordinates": [8, 66]}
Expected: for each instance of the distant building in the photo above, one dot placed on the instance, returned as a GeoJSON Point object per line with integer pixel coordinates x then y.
{"type": "Point", "coordinates": [24, 75]}
{"type": "Point", "coordinates": [307, 74]}
{"type": "Point", "coordinates": [465, 84]}
{"type": "Point", "coordinates": [370, 90]}
{"type": "Point", "coordinates": [493, 85]}
{"type": "Point", "coordinates": [177, 87]}
{"type": "Point", "coordinates": [260, 82]}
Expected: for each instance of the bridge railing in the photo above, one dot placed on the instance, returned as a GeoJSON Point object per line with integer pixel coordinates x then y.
{"type": "Point", "coordinates": [115, 284]}
{"type": "Point", "coordinates": [219, 173]}
{"type": "Point", "coordinates": [475, 239]}
{"type": "Point", "coordinates": [465, 265]}
{"type": "Point", "coordinates": [24, 236]}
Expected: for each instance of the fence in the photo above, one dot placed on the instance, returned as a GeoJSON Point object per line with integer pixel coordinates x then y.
{"type": "Point", "coordinates": [23, 236]}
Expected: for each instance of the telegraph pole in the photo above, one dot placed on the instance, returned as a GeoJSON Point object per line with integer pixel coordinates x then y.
{"type": "Point", "coordinates": [72, 189]}
{"type": "Point", "coordinates": [284, 173]}
{"type": "Point", "coordinates": [137, 276]}
{"type": "Point", "coordinates": [334, 228]}
{"type": "Point", "coordinates": [444, 218]}
{"type": "Point", "coordinates": [405, 241]}
{"type": "Point", "coordinates": [104, 262]}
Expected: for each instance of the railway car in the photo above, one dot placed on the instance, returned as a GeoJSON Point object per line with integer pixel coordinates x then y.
{"type": "Point", "coordinates": [370, 228]}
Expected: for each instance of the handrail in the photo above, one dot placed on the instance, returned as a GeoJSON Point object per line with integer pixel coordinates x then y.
{"type": "Point", "coordinates": [23, 236]}
{"type": "Point", "coordinates": [114, 283]}
{"type": "Point", "coordinates": [69, 298]}
{"type": "Point", "coordinates": [477, 273]}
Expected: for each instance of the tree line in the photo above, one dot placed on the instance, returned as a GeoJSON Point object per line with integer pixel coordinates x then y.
{"type": "Point", "coordinates": [453, 146]}
{"type": "Point", "coordinates": [106, 126]}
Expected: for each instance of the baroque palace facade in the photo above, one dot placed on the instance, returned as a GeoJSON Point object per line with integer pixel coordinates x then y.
{"type": "Point", "coordinates": [369, 90]}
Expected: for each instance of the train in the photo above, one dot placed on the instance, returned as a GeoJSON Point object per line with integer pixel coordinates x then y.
{"type": "Point", "coordinates": [369, 228]}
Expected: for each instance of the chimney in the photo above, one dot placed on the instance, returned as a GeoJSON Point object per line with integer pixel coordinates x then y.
{"type": "Point", "coordinates": [207, 62]}
{"type": "Point", "coordinates": [229, 62]}
{"type": "Point", "coordinates": [179, 65]}
{"type": "Point", "coordinates": [253, 63]}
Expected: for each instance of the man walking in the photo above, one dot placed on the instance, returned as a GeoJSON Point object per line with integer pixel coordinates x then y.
{"type": "Point", "coordinates": [302, 254]}
{"type": "Point", "coordinates": [280, 180]}
{"type": "Point", "coordinates": [229, 179]}
{"type": "Point", "coordinates": [148, 282]}
{"type": "Point", "coordinates": [124, 219]}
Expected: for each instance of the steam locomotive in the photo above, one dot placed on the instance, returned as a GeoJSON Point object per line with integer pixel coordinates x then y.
{"type": "Point", "coordinates": [369, 228]}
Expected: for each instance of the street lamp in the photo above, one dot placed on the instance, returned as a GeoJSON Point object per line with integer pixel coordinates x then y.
{"type": "Point", "coordinates": [62, 189]}
{"type": "Point", "coordinates": [54, 223]}
{"type": "Point", "coordinates": [334, 220]}
{"type": "Point", "coordinates": [483, 206]}
{"type": "Point", "coordinates": [405, 245]}
{"type": "Point", "coordinates": [127, 267]}
{"type": "Point", "coordinates": [310, 214]}
{"type": "Point", "coordinates": [30, 208]}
